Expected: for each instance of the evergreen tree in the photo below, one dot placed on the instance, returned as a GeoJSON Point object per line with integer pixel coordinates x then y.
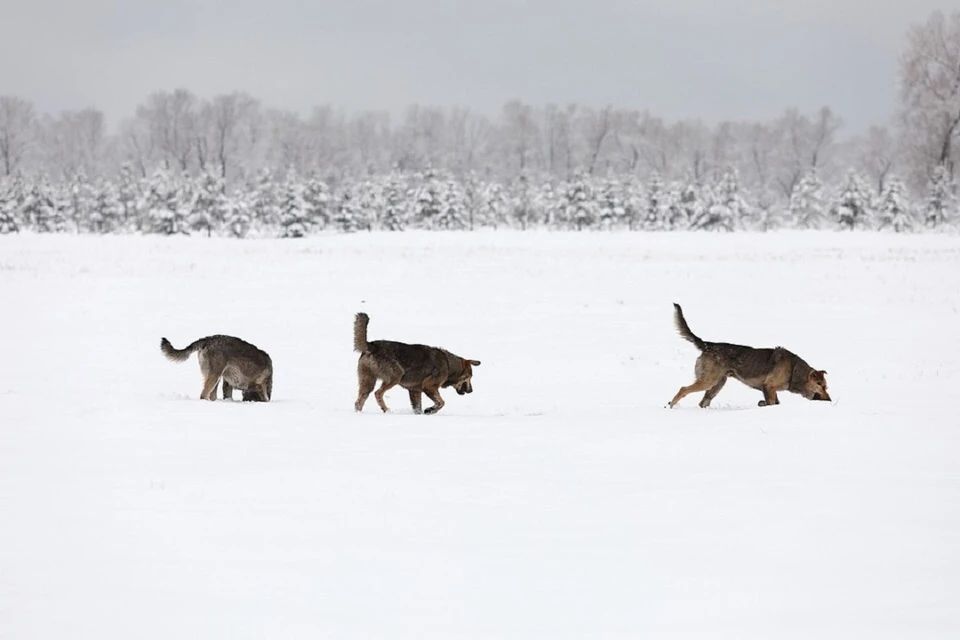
{"type": "Point", "coordinates": [427, 203]}
{"type": "Point", "coordinates": [294, 219]}
{"type": "Point", "coordinates": [612, 211]}
{"type": "Point", "coordinates": [129, 195]}
{"type": "Point", "coordinates": [107, 212]}
{"type": "Point", "coordinates": [894, 212]}
{"type": "Point", "coordinates": [80, 200]}
{"type": "Point", "coordinates": [163, 206]}
{"type": "Point", "coordinates": [493, 206]}
{"type": "Point", "coordinates": [204, 214]}
{"type": "Point", "coordinates": [452, 214]}
{"type": "Point", "coordinates": [369, 204]}
{"type": "Point", "coordinates": [265, 207]}
{"type": "Point", "coordinates": [580, 209]}
{"type": "Point", "coordinates": [235, 212]}
{"type": "Point", "coordinates": [806, 202]}
{"type": "Point", "coordinates": [41, 209]}
{"type": "Point", "coordinates": [939, 200]}
{"type": "Point", "coordinates": [852, 208]}
{"type": "Point", "coordinates": [346, 217]}
{"type": "Point", "coordinates": [394, 204]}
{"type": "Point", "coordinates": [691, 205]}
{"type": "Point", "coordinates": [655, 215]}
{"type": "Point", "coordinates": [316, 197]}
{"type": "Point", "coordinates": [523, 206]}
{"type": "Point", "coordinates": [11, 202]}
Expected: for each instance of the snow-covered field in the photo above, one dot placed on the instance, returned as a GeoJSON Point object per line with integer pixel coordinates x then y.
{"type": "Point", "coordinates": [559, 500]}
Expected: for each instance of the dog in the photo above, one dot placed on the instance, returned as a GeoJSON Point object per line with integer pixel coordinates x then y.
{"type": "Point", "coordinates": [240, 364]}
{"type": "Point", "coordinates": [417, 368]}
{"type": "Point", "coordinates": [767, 370]}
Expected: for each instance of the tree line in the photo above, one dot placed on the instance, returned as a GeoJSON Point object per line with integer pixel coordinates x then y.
{"type": "Point", "coordinates": [235, 138]}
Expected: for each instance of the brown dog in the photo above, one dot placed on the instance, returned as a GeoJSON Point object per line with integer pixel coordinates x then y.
{"type": "Point", "coordinates": [241, 365]}
{"type": "Point", "coordinates": [768, 370]}
{"type": "Point", "coordinates": [417, 368]}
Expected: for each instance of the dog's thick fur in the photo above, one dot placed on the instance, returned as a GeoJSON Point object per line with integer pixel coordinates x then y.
{"type": "Point", "coordinates": [417, 368]}
{"type": "Point", "coordinates": [768, 370]}
{"type": "Point", "coordinates": [240, 364]}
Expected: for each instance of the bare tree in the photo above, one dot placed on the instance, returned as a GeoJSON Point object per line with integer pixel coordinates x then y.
{"type": "Point", "coordinates": [173, 125]}
{"type": "Point", "coordinates": [877, 154]}
{"type": "Point", "coordinates": [17, 122]}
{"type": "Point", "coordinates": [224, 118]}
{"type": "Point", "coordinates": [930, 92]}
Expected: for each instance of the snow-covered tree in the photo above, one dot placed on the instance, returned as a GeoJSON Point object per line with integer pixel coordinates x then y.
{"type": "Point", "coordinates": [394, 216]}
{"type": "Point", "coordinates": [265, 208]}
{"type": "Point", "coordinates": [164, 206]}
{"type": "Point", "coordinates": [128, 196]}
{"type": "Point", "coordinates": [294, 217]}
{"type": "Point", "coordinates": [427, 203]}
{"type": "Point", "coordinates": [41, 209]}
{"type": "Point", "coordinates": [12, 196]}
{"type": "Point", "coordinates": [80, 200]}
{"type": "Point", "coordinates": [939, 201]}
{"type": "Point", "coordinates": [204, 215]}
{"type": "Point", "coordinates": [612, 209]}
{"type": "Point", "coordinates": [852, 209]}
{"type": "Point", "coordinates": [235, 213]}
{"type": "Point", "coordinates": [346, 217]}
{"type": "Point", "coordinates": [494, 206]}
{"type": "Point", "coordinates": [523, 203]}
{"type": "Point", "coordinates": [369, 204]}
{"type": "Point", "coordinates": [726, 209]}
{"type": "Point", "coordinates": [894, 211]}
{"type": "Point", "coordinates": [807, 207]}
{"type": "Point", "coordinates": [317, 198]}
{"type": "Point", "coordinates": [580, 208]}
{"type": "Point", "coordinates": [654, 213]}
{"type": "Point", "coordinates": [106, 214]}
{"type": "Point", "coordinates": [453, 214]}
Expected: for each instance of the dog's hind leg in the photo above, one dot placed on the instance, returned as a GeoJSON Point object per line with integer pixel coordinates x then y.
{"type": "Point", "coordinates": [366, 381]}
{"type": "Point", "coordinates": [434, 394]}
{"type": "Point", "coordinates": [210, 386]}
{"type": "Point", "coordinates": [227, 390]}
{"type": "Point", "coordinates": [416, 401]}
{"type": "Point", "coordinates": [712, 393]}
{"type": "Point", "coordinates": [390, 374]}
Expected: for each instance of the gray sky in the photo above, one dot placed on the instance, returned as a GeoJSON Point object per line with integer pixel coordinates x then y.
{"type": "Point", "coordinates": [728, 59]}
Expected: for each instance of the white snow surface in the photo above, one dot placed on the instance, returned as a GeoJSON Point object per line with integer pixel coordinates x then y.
{"type": "Point", "coordinates": [560, 500]}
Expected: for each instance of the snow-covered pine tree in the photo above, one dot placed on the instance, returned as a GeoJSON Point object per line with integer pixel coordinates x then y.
{"type": "Point", "coordinates": [427, 202]}
{"type": "Point", "coordinates": [852, 208]}
{"type": "Point", "coordinates": [163, 205]}
{"type": "Point", "coordinates": [80, 200]}
{"type": "Point", "coordinates": [41, 209]}
{"type": "Point", "coordinates": [205, 217]}
{"type": "Point", "coordinates": [394, 203]}
{"type": "Point", "coordinates": [317, 198]}
{"type": "Point", "coordinates": [522, 202]}
{"type": "Point", "coordinates": [633, 202]}
{"type": "Point", "coordinates": [345, 217]}
{"type": "Point", "coordinates": [807, 208]}
{"type": "Point", "coordinates": [494, 206]}
{"type": "Point", "coordinates": [235, 213]}
{"type": "Point", "coordinates": [453, 211]}
{"type": "Point", "coordinates": [654, 215]}
{"type": "Point", "coordinates": [674, 214]}
{"type": "Point", "coordinates": [611, 209]}
{"type": "Point", "coordinates": [129, 195]}
{"type": "Point", "coordinates": [692, 204]}
{"type": "Point", "coordinates": [369, 197]}
{"type": "Point", "coordinates": [894, 210]}
{"type": "Point", "coordinates": [939, 202]}
{"type": "Point", "coordinates": [11, 200]}
{"type": "Point", "coordinates": [265, 209]}
{"type": "Point", "coordinates": [107, 212]}
{"type": "Point", "coordinates": [726, 209]}
{"type": "Point", "coordinates": [580, 210]}
{"type": "Point", "coordinates": [294, 219]}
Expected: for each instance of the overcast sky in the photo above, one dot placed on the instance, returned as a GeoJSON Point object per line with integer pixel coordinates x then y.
{"type": "Point", "coordinates": [723, 59]}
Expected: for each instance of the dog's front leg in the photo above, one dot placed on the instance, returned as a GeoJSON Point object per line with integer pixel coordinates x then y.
{"type": "Point", "coordinates": [416, 400]}
{"type": "Point", "coordinates": [769, 397]}
{"type": "Point", "coordinates": [434, 394]}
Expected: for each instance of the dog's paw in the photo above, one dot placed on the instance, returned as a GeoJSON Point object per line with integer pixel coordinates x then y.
{"type": "Point", "coordinates": [430, 410]}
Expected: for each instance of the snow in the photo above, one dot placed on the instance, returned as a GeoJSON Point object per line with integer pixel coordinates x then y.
{"type": "Point", "coordinates": [559, 500]}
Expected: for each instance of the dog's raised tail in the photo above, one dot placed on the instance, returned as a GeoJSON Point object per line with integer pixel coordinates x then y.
{"type": "Point", "coordinates": [360, 323]}
{"type": "Point", "coordinates": [178, 355]}
{"type": "Point", "coordinates": [684, 329]}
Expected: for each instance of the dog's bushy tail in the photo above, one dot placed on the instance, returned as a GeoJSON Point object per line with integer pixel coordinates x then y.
{"type": "Point", "coordinates": [178, 355]}
{"type": "Point", "coordinates": [684, 328]}
{"type": "Point", "coordinates": [360, 323]}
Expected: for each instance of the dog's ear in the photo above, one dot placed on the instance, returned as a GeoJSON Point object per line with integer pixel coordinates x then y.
{"type": "Point", "coordinates": [475, 363]}
{"type": "Point", "coordinates": [818, 375]}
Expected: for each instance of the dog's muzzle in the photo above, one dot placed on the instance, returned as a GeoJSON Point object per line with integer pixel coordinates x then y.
{"type": "Point", "coordinates": [821, 396]}
{"type": "Point", "coordinates": [464, 388]}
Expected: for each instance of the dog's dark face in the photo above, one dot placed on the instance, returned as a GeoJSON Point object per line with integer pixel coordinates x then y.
{"type": "Point", "coordinates": [260, 392]}
{"type": "Point", "coordinates": [815, 387]}
{"type": "Point", "coordinates": [463, 382]}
